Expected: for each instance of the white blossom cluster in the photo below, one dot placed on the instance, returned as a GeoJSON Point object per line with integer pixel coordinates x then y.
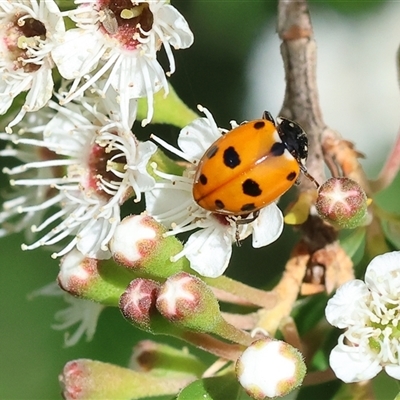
{"type": "Point", "coordinates": [79, 160]}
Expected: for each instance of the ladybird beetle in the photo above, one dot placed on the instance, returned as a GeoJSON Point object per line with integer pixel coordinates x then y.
{"type": "Point", "coordinates": [251, 166]}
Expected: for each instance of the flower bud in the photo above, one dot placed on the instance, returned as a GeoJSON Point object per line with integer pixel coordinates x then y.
{"type": "Point", "coordinates": [342, 202]}
{"type": "Point", "coordinates": [187, 302]}
{"type": "Point", "coordinates": [138, 306]}
{"type": "Point", "coordinates": [137, 303]}
{"type": "Point", "coordinates": [270, 368]}
{"type": "Point", "coordinates": [139, 244]}
{"type": "Point", "coordinates": [102, 281]}
{"type": "Point", "coordinates": [88, 379]}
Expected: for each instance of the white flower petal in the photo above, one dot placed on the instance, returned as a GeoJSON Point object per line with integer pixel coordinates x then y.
{"type": "Point", "coordinates": [345, 303]}
{"type": "Point", "coordinates": [179, 32]}
{"type": "Point", "coordinates": [41, 90]}
{"type": "Point", "coordinates": [160, 204]}
{"type": "Point", "coordinates": [96, 234]}
{"type": "Point", "coordinates": [78, 53]}
{"type": "Point", "coordinates": [53, 17]}
{"type": "Point", "coordinates": [83, 312]}
{"type": "Point", "coordinates": [352, 365]}
{"type": "Point", "coordinates": [144, 75]}
{"type": "Point", "coordinates": [195, 138]}
{"type": "Point", "coordinates": [393, 371]}
{"type": "Point", "coordinates": [268, 226]}
{"type": "Point", "coordinates": [210, 252]}
{"type": "Point", "coordinates": [380, 266]}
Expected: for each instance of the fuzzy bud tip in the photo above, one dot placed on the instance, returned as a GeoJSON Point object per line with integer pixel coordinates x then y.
{"type": "Point", "coordinates": [186, 300]}
{"type": "Point", "coordinates": [77, 273]}
{"type": "Point", "coordinates": [139, 244]}
{"type": "Point", "coordinates": [137, 303]}
{"type": "Point", "coordinates": [135, 238]}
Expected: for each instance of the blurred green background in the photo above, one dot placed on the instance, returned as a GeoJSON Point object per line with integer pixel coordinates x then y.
{"type": "Point", "coordinates": [211, 73]}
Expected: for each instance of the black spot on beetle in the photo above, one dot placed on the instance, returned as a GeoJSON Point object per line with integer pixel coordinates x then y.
{"type": "Point", "coordinates": [212, 151]}
{"type": "Point", "coordinates": [292, 175]}
{"type": "Point", "coordinates": [219, 204]}
{"type": "Point", "coordinates": [231, 157]}
{"type": "Point", "coordinates": [203, 179]}
{"type": "Point", "coordinates": [251, 188]}
{"type": "Point", "coordinates": [259, 125]}
{"type": "Point", "coordinates": [277, 149]}
{"type": "Point", "coordinates": [248, 207]}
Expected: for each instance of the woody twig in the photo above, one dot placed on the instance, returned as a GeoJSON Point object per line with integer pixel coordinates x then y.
{"type": "Point", "coordinates": [319, 246]}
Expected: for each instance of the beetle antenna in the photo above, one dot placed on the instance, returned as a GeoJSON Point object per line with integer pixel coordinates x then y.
{"type": "Point", "coordinates": [308, 176]}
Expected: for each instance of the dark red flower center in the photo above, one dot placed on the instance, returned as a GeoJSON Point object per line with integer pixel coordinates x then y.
{"type": "Point", "coordinates": [122, 20]}
{"type": "Point", "coordinates": [23, 34]}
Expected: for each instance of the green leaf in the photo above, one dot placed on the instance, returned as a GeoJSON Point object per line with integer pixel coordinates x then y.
{"type": "Point", "coordinates": [385, 387]}
{"type": "Point", "coordinates": [217, 388]}
{"type": "Point", "coordinates": [391, 228]}
{"type": "Point", "coordinates": [164, 164]}
{"type": "Point", "coordinates": [310, 311]}
{"type": "Point", "coordinates": [353, 243]}
{"type": "Point", "coordinates": [168, 109]}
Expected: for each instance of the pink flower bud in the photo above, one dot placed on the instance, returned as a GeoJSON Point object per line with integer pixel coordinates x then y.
{"type": "Point", "coordinates": [137, 303]}
{"type": "Point", "coordinates": [186, 300]}
{"type": "Point", "coordinates": [77, 273]}
{"type": "Point", "coordinates": [88, 379]}
{"type": "Point", "coordinates": [87, 278]}
{"type": "Point", "coordinates": [342, 202]}
{"type": "Point", "coordinates": [139, 244]}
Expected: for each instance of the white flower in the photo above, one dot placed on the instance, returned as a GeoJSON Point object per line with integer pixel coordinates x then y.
{"type": "Point", "coordinates": [28, 30]}
{"type": "Point", "coordinates": [23, 205]}
{"type": "Point", "coordinates": [119, 40]}
{"type": "Point", "coordinates": [93, 164]}
{"type": "Point", "coordinates": [84, 312]}
{"type": "Point", "coordinates": [171, 203]}
{"type": "Point", "coordinates": [370, 312]}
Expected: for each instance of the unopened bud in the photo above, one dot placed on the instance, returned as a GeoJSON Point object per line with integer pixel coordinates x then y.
{"type": "Point", "coordinates": [187, 302]}
{"type": "Point", "coordinates": [89, 278]}
{"type": "Point", "coordinates": [270, 368]}
{"type": "Point", "coordinates": [137, 303]}
{"type": "Point", "coordinates": [139, 244]}
{"type": "Point", "coordinates": [342, 202]}
{"type": "Point", "coordinates": [88, 379]}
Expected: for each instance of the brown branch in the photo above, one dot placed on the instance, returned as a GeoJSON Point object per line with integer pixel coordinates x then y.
{"type": "Point", "coordinates": [287, 290]}
{"type": "Point", "coordinates": [244, 294]}
{"type": "Point", "coordinates": [301, 101]}
{"type": "Point", "coordinates": [241, 321]}
{"type": "Point", "coordinates": [342, 153]}
{"type": "Point", "coordinates": [319, 246]}
{"type": "Point", "coordinates": [214, 346]}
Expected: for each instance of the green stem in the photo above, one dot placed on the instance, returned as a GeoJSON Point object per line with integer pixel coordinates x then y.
{"type": "Point", "coordinates": [255, 296]}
